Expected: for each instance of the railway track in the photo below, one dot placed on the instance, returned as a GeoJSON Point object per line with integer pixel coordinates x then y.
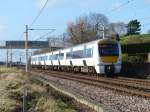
{"type": "Point", "coordinates": [130, 86]}
{"type": "Point", "coordinates": [141, 81]}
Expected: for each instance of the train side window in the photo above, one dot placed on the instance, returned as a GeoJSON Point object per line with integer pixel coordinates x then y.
{"type": "Point", "coordinates": [77, 54]}
{"type": "Point", "coordinates": [54, 56]}
{"type": "Point", "coordinates": [57, 57]}
{"type": "Point", "coordinates": [34, 59]}
{"type": "Point", "coordinates": [68, 55]}
{"type": "Point", "coordinates": [45, 58]}
{"type": "Point", "coordinates": [61, 56]}
{"type": "Point", "coordinates": [42, 58]}
{"type": "Point", "coordinates": [39, 58]}
{"type": "Point", "coordinates": [89, 53]}
{"type": "Point", "coordinates": [50, 56]}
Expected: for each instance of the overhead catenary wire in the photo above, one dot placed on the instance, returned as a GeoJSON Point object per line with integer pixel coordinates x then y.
{"type": "Point", "coordinates": [125, 3]}
{"type": "Point", "coordinates": [36, 18]}
{"type": "Point", "coordinates": [21, 36]}
{"type": "Point", "coordinates": [121, 5]}
{"type": "Point", "coordinates": [45, 34]}
{"type": "Point", "coordinates": [40, 12]}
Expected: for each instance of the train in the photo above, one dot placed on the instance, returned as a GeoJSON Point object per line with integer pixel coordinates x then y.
{"type": "Point", "coordinates": [102, 56]}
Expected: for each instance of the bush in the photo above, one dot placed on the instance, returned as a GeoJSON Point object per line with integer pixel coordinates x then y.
{"type": "Point", "coordinates": [132, 59]}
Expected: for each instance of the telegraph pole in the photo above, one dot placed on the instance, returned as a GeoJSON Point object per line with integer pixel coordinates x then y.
{"type": "Point", "coordinates": [10, 56]}
{"type": "Point", "coordinates": [26, 69]}
{"type": "Point", "coordinates": [7, 58]}
{"type": "Point", "coordinates": [26, 48]}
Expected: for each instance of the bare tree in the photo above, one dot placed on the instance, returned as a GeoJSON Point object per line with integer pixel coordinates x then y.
{"type": "Point", "coordinates": [96, 19]}
{"type": "Point", "coordinates": [117, 28]}
{"type": "Point", "coordinates": [86, 27]}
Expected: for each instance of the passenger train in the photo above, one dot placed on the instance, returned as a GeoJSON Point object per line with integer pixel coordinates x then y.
{"type": "Point", "coordinates": [101, 56]}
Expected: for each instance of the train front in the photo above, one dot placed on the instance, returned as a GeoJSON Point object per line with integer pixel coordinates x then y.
{"type": "Point", "coordinates": [109, 52]}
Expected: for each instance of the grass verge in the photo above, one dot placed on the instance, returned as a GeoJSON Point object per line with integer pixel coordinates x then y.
{"type": "Point", "coordinates": [40, 98]}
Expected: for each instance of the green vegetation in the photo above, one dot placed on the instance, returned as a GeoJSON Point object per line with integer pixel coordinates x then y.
{"type": "Point", "coordinates": [132, 59]}
{"type": "Point", "coordinates": [134, 44]}
{"type": "Point", "coordinates": [133, 39]}
{"type": "Point", "coordinates": [7, 70]}
{"type": "Point", "coordinates": [133, 27]}
{"type": "Point", "coordinates": [39, 100]}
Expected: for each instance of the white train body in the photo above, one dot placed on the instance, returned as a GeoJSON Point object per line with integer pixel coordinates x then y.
{"type": "Point", "coordinates": [102, 56]}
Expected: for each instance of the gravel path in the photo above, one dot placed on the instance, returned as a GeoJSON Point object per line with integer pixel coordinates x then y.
{"type": "Point", "coordinates": [118, 102]}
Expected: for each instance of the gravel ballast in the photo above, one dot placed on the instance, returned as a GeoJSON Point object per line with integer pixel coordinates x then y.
{"type": "Point", "coordinates": [116, 101]}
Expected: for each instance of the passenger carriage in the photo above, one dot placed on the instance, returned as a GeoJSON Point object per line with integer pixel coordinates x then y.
{"type": "Point", "coordinates": [102, 56]}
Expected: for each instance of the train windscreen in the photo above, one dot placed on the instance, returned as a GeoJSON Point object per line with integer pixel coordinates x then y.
{"type": "Point", "coordinates": [109, 49]}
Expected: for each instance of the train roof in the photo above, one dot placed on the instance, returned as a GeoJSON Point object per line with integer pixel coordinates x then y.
{"type": "Point", "coordinates": [91, 42]}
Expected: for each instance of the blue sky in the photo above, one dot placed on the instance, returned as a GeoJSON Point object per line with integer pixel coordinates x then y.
{"type": "Point", "coordinates": [15, 14]}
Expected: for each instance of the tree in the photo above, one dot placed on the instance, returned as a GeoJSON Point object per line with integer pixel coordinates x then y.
{"type": "Point", "coordinates": [133, 27]}
{"type": "Point", "coordinates": [117, 28]}
{"type": "Point", "coordinates": [86, 28]}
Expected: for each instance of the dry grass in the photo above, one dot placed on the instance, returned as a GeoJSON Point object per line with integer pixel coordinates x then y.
{"type": "Point", "coordinates": [11, 87]}
{"type": "Point", "coordinates": [8, 86]}
{"type": "Point", "coordinates": [48, 104]}
{"type": "Point", "coordinates": [3, 69]}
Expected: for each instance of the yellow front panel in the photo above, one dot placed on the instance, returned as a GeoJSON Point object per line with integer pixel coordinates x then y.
{"type": "Point", "coordinates": [109, 59]}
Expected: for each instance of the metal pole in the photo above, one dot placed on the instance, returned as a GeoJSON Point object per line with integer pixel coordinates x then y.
{"type": "Point", "coordinates": [7, 58]}
{"type": "Point", "coordinates": [24, 99]}
{"type": "Point", "coordinates": [10, 56]}
{"type": "Point", "coordinates": [103, 31]}
{"type": "Point", "coordinates": [26, 48]}
{"type": "Point", "coordinates": [26, 52]}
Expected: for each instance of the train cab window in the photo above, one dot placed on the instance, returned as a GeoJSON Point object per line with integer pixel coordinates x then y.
{"type": "Point", "coordinates": [109, 49]}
